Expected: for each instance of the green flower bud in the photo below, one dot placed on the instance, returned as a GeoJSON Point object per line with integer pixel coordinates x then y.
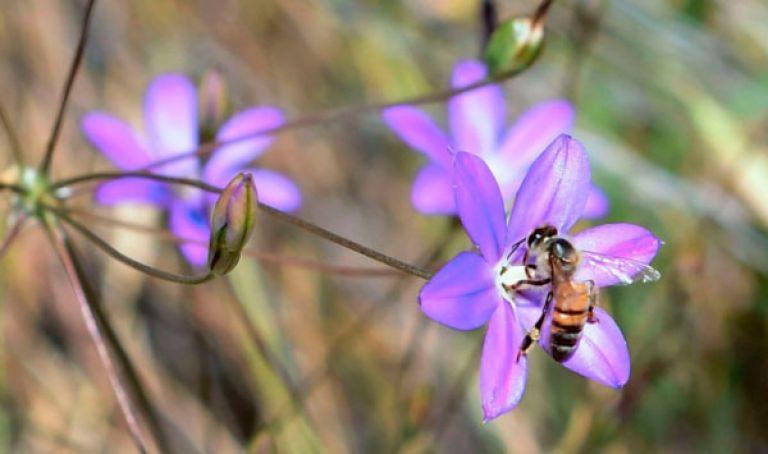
{"type": "Point", "coordinates": [231, 223]}
{"type": "Point", "coordinates": [514, 45]}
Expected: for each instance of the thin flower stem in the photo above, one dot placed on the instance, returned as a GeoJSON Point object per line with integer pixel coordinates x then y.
{"type": "Point", "coordinates": [129, 371]}
{"type": "Point", "coordinates": [349, 244]}
{"type": "Point", "coordinates": [336, 115]}
{"type": "Point", "coordinates": [541, 12]}
{"type": "Point", "coordinates": [58, 242]}
{"type": "Point", "coordinates": [119, 256]}
{"type": "Point", "coordinates": [308, 226]}
{"type": "Point", "coordinates": [13, 188]}
{"type": "Point", "coordinates": [112, 175]}
{"type": "Point", "coordinates": [11, 234]}
{"type": "Point", "coordinates": [76, 60]}
{"type": "Point", "coordinates": [269, 257]}
{"type": "Point", "coordinates": [13, 139]}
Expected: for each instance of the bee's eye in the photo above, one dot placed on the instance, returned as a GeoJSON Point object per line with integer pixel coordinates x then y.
{"type": "Point", "coordinates": [535, 238]}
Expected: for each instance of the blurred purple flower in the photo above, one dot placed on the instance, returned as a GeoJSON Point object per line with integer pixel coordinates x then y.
{"type": "Point", "coordinates": [477, 124]}
{"type": "Point", "coordinates": [467, 292]}
{"type": "Point", "coordinates": [171, 127]}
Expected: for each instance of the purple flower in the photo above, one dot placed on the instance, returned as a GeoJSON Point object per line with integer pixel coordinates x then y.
{"type": "Point", "coordinates": [477, 125]}
{"type": "Point", "coordinates": [171, 127]}
{"type": "Point", "coordinates": [468, 291]}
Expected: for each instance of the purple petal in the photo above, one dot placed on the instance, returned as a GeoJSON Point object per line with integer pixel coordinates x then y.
{"type": "Point", "coordinates": [116, 140]}
{"type": "Point", "coordinates": [554, 191]}
{"type": "Point", "coordinates": [189, 222]}
{"type": "Point", "coordinates": [480, 206]}
{"type": "Point", "coordinates": [476, 117]}
{"type": "Point", "coordinates": [502, 375]}
{"type": "Point", "coordinates": [228, 159]}
{"type": "Point", "coordinates": [463, 294]}
{"type": "Point", "coordinates": [276, 190]}
{"type": "Point", "coordinates": [133, 190]}
{"type": "Point", "coordinates": [418, 130]}
{"type": "Point", "coordinates": [620, 241]}
{"type": "Point", "coordinates": [534, 130]}
{"type": "Point", "coordinates": [597, 204]}
{"type": "Point", "coordinates": [601, 355]}
{"type": "Point", "coordinates": [170, 116]}
{"type": "Point", "coordinates": [433, 192]}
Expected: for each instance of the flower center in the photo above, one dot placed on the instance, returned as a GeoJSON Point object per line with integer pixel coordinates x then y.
{"type": "Point", "coordinates": [507, 275]}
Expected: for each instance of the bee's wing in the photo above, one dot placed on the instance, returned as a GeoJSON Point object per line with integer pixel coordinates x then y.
{"type": "Point", "coordinates": [626, 270]}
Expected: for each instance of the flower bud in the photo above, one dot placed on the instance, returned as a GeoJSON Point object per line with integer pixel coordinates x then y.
{"type": "Point", "coordinates": [514, 45]}
{"type": "Point", "coordinates": [231, 223]}
{"type": "Point", "coordinates": [214, 104]}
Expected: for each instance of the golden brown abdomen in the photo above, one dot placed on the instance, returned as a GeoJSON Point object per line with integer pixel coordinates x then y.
{"type": "Point", "coordinates": [571, 307]}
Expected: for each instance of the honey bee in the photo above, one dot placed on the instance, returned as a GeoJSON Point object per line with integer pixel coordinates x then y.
{"type": "Point", "coordinates": [556, 263]}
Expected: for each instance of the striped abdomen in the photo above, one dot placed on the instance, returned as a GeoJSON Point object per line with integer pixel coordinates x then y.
{"type": "Point", "coordinates": [568, 318]}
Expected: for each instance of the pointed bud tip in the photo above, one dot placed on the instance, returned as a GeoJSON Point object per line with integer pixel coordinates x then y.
{"type": "Point", "coordinates": [232, 222]}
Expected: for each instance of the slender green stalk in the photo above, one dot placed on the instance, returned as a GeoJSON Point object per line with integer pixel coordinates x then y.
{"type": "Point", "coordinates": [13, 188]}
{"type": "Point", "coordinates": [45, 164]}
{"type": "Point", "coordinates": [263, 256]}
{"type": "Point", "coordinates": [99, 176]}
{"type": "Point", "coordinates": [541, 11]}
{"type": "Point", "coordinates": [86, 308]}
{"type": "Point", "coordinates": [349, 244]}
{"type": "Point", "coordinates": [119, 256]}
{"type": "Point", "coordinates": [336, 115]}
{"type": "Point", "coordinates": [126, 365]}
{"type": "Point", "coordinates": [13, 139]}
{"type": "Point", "coordinates": [11, 234]}
{"type": "Point", "coordinates": [308, 226]}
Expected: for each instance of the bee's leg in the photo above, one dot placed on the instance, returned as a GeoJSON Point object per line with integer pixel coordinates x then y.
{"type": "Point", "coordinates": [593, 292]}
{"type": "Point", "coordinates": [532, 282]}
{"type": "Point", "coordinates": [535, 333]}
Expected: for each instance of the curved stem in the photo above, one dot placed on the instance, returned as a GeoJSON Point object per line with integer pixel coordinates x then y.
{"type": "Point", "coordinates": [337, 115]}
{"type": "Point", "coordinates": [308, 226]}
{"type": "Point", "coordinates": [13, 188]}
{"type": "Point", "coordinates": [119, 256]}
{"type": "Point", "coordinates": [58, 240]}
{"type": "Point", "coordinates": [263, 256]}
{"type": "Point", "coordinates": [116, 175]}
{"type": "Point", "coordinates": [13, 139]}
{"type": "Point", "coordinates": [349, 244]}
{"type": "Point", "coordinates": [76, 60]}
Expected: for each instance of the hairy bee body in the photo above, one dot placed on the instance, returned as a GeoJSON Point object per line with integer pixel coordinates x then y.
{"type": "Point", "coordinates": [569, 315]}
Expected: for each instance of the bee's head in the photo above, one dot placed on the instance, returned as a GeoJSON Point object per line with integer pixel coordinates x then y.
{"type": "Point", "coordinates": [541, 234]}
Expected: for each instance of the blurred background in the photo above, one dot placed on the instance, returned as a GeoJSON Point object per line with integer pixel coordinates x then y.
{"type": "Point", "coordinates": [672, 102]}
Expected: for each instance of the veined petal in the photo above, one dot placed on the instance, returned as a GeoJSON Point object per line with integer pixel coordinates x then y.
{"type": "Point", "coordinates": [462, 295]}
{"type": "Point", "coordinates": [476, 117]}
{"type": "Point", "coordinates": [133, 190]}
{"type": "Point", "coordinates": [479, 204]}
{"type": "Point", "coordinates": [417, 129]}
{"type": "Point", "coordinates": [597, 204]}
{"type": "Point", "coordinates": [116, 140]}
{"type": "Point", "coordinates": [534, 130]}
{"type": "Point", "coordinates": [554, 191]}
{"type": "Point", "coordinates": [190, 222]}
{"type": "Point", "coordinates": [601, 355]}
{"type": "Point", "coordinates": [620, 241]}
{"type": "Point", "coordinates": [502, 374]}
{"type": "Point", "coordinates": [170, 116]}
{"type": "Point", "coordinates": [228, 159]}
{"type": "Point", "coordinates": [433, 192]}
